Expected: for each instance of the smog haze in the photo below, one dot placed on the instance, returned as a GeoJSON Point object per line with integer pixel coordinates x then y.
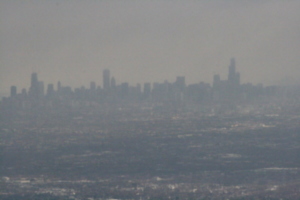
{"type": "Point", "coordinates": [148, 41]}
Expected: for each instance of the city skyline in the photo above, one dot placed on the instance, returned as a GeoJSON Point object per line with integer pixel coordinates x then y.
{"type": "Point", "coordinates": [228, 91]}
{"type": "Point", "coordinates": [109, 81]}
{"type": "Point", "coordinates": [148, 41]}
{"type": "Point", "coordinates": [106, 79]}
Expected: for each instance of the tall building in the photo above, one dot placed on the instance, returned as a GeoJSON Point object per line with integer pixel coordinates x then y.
{"type": "Point", "coordinates": [34, 87]}
{"type": "Point", "coordinates": [50, 90]}
{"type": "Point", "coordinates": [217, 81]}
{"type": "Point", "coordinates": [58, 86]}
{"type": "Point", "coordinates": [34, 80]}
{"type": "Point", "coordinates": [124, 89]}
{"type": "Point", "coordinates": [147, 89]}
{"type": "Point", "coordinates": [139, 88]}
{"type": "Point", "coordinates": [13, 91]}
{"type": "Point", "coordinates": [233, 76]}
{"type": "Point", "coordinates": [106, 79]}
{"type": "Point", "coordinates": [41, 89]}
{"type": "Point", "coordinates": [232, 93]}
{"type": "Point", "coordinates": [231, 71]}
{"type": "Point", "coordinates": [113, 83]}
{"type": "Point", "coordinates": [237, 79]}
{"type": "Point", "coordinates": [24, 92]}
{"type": "Point", "coordinates": [180, 83]}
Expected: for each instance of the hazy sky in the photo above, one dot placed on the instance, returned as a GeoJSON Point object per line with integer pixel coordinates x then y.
{"type": "Point", "coordinates": [148, 41]}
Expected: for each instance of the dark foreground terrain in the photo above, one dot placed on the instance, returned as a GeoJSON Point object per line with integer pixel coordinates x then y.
{"type": "Point", "coordinates": [178, 157]}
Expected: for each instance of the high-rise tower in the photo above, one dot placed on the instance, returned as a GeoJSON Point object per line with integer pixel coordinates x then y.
{"type": "Point", "coordinates": [34, 80]}
{"type": "Point", "coordinates": [217, 81]}
{"type": "Point", "coordinates": [180, 83]}
{"type": "Point", "coordinates": [113, 83]}
{"type": "Point", "coordinates": [106, 79]}
{"type": "Point", "coordinates": [233, 76]}
{"type": "Point", "coordinates": [13, 91]}
{"type": "Point", "coordinates": [231, 71]}
{"type": "Point", "coordinates": [50, 90]}
{"type": "Point", "coordinates": [233, 83]}
{"type": "Point", "coordinates": [34, 87]}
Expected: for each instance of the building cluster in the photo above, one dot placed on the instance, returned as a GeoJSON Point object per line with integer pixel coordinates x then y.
{"type": "Point", "coordinates": [229, 91]}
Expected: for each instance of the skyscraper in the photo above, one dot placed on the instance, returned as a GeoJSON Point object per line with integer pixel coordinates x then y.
{"type": "Point", "coordinates": [217, 81]}
{"type": "Point", "coordinates": [34, 80]}
{"type": "Point", "coordinates": [113, 83]}
{"type": "Point", "coordinates": [147, 89]}
{"type": "Point", "coordinates": [106, 79]}
{"type": "Point", "coordinates": [50, 90]}
{"type": "Point", "coordinates": [41, 88]}
{"type": "Point", "coordinates": [13, 91]}
{"type": "Point", "coordinates": [24, 92]}
{"type": "Point", "coordinates": [34, 87]}
{"type": "Point", "coordinates": [231, 71]}
{"type": "Point", "coordinates": [233, 76]}
{"type": "Point", "coordinates": [124, 90]}
{"type": "Point", "coordinates": [58, 86]}
{"type": "Point", "coordinates": [237, 78]}
{"type": "Point", "coordinates": [233, 83]}
{"type": "Point", "coordinates": [180, 83]}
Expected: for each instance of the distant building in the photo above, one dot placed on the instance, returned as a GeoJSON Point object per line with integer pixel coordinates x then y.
{"type": "Point", "coordinates": [34, 80]}
{"type": "Point", "coordinates": [13, 91]}
{"type": "Point", "coordinates": [180, 83]}
{"type": "Point", "coordinates": [217, 81]}
{"type": "Point", "coordinates": [231, 71]}
{"type": "Point", "coordinates": [113, 83]}
{"type": "Point", "coordinates": [138, 88]}
{"type": "Point", "coordinates": [50, 90]}
{"type": "Point", "coordinates": [233, 83]}
{"type": "Point", "coordinates": [41, 92]}
{"type": "Point", "coordinates": [58, 86]}
{"type": "Point", "coordinates": [35, 87]}
{"type": "Point", "coordinates": [147, 89]}
{"type": "Point", "coordinates": [24, 92]}
{"type": "Point", "coordinates": [124, 89]}
{"type": "Point", "coordinates": [233, 76]}
{"type": "Point", "coordinates": [106, 79]}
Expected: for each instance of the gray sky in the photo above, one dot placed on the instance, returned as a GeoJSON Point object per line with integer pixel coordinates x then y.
{"type": "Point", "coordinates": [148, 41]}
